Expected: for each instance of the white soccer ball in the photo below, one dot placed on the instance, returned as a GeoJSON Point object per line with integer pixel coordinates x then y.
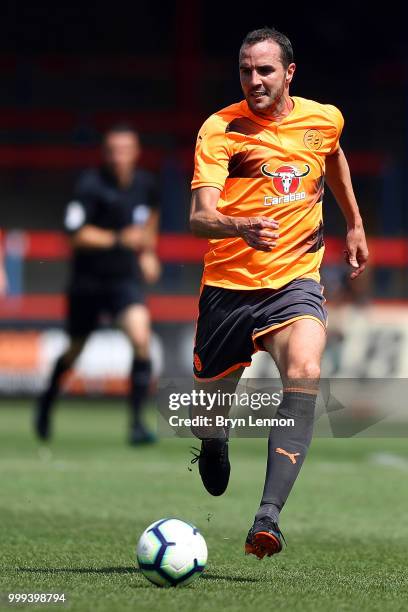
{"type": "Point", "coordinates": [171, 552]}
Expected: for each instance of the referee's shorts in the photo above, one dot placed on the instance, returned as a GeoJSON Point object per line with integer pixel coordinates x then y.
{"type": "Point", "coordinates": [231, 322]}
{"type": "Point", "coordinates": [89, 301]}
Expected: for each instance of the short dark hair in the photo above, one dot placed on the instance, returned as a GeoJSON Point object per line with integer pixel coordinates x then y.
{"type": "Point", "coordinates": [256, 36]}
{"type": "Point", "coordinates": [121, 127]}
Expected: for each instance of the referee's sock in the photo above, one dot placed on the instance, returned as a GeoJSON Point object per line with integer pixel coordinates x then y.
{"type": "Point", "coordinates": [139, 388]}
{"type": "Point", "coordinates": [42, 419]}
{"type": "Point", "coordinates": [51, 392]}
{"type": "Point", "coordinates": [287, 448]}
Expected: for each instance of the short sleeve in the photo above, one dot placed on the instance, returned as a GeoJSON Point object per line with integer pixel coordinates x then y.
{"type": "Point", "coordinates": [211, 155]}
{"type": "Point", "coordinates": [337, 120]}
{"type": "Point", "coordinates": [79, 211]}
{"type": "Point", "coordinates": [151, 201]}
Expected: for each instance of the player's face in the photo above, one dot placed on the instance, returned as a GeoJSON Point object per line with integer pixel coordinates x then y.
{"type": "Point", "coordinates": [264, 80]}
{"type": "Point", "coordinates": [121, 151]}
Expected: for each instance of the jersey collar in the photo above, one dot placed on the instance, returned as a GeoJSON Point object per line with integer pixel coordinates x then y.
{"type": "Point", "coordinates": [268, 122]}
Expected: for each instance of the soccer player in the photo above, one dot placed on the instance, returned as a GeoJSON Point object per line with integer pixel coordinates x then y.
{"type": "Point", "coordinates": [113, 222]}
{"type": "Point", "coordinates": [260, 168]}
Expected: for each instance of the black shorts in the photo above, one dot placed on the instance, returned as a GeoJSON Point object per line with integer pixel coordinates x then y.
{"type": "Point", "coordinates": [231, 322]}
{"type": "Point", "coordinates": [89, 301]}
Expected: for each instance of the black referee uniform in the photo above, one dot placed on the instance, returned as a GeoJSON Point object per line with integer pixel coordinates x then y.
{"type": "Point", "coordinates": [105, 281]}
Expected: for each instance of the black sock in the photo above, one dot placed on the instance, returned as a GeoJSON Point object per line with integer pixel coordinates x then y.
{"type": "Point", "coordinates": [139, 387]}
{"type": "Point", "coordinates": [51, 392]}
{"type": "Point", "coordinates": [287, 448]}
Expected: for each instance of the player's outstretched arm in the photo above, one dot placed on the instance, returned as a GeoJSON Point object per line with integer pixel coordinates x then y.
{"type": "Point", "coordinates": [339, 180]}
{"type": "Point", "coordinates": [207, 222]}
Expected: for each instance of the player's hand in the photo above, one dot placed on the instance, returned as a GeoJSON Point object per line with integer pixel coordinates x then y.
{"type": "Point", "coordinates": [260, 233]}
{"type": "Point", "coordinates": [150, 266]}
{"type": "Point", "coordinates": [132, 237]}
{"type": "Point", "coordinates": [356, 252]}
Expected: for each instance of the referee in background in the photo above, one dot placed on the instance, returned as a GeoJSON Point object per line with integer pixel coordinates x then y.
{"type": "Point", "coordinates": [113, 223]}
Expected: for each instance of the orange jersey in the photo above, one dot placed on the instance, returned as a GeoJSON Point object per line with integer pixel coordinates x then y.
{"type": "Point", "coordinates": [270, 169]}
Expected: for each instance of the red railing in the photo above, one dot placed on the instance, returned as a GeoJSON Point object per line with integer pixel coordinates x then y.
{"type": "Point", "coordinates": [184, 248]}
{"type": "Point", "coordinates": [49, 157]}
{"type": "Point", "coordinates": [45, 307]}
{"type": "Point", "coordinates": [172, 248]}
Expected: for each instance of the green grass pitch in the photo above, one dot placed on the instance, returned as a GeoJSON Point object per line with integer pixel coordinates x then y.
{"type": "Point", "coordinates": [71, 514]}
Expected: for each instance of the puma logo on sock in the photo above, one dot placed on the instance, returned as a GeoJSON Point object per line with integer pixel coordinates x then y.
{"type": "Point", "coordinates": [292, 456]}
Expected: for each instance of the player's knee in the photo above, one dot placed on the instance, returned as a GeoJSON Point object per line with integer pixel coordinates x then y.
{"type": "Point", "coordinates": [308, 370]}
{"type": "Point", "coordinates": [140, 340]}
{"type": "Point", "coordinates": [141, 349]}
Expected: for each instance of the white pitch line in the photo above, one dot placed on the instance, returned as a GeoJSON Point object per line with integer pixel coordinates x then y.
{"type": "Point", "coordinates": [389, 460]}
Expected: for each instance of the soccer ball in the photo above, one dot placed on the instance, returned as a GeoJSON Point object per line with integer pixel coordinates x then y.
{"type": "Point", "coordinates": [171, 552]}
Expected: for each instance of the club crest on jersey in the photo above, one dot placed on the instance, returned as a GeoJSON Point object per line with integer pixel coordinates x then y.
{"type": "Point", "coordinates": [313, 139]}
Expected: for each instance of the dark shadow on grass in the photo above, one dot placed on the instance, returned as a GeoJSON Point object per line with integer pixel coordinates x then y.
{"type": "Point", "coordinates": [205, 576]}
{"type": "Point", "coordinates": [80, 570]}
{"type": "Point", "coordinates": [208, 576]}
{"type": "Point", "coordinates": [124, 570]}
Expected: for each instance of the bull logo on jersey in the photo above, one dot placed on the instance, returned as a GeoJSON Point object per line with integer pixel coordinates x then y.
{"type": "Point", "coordinates": [286, 179]}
